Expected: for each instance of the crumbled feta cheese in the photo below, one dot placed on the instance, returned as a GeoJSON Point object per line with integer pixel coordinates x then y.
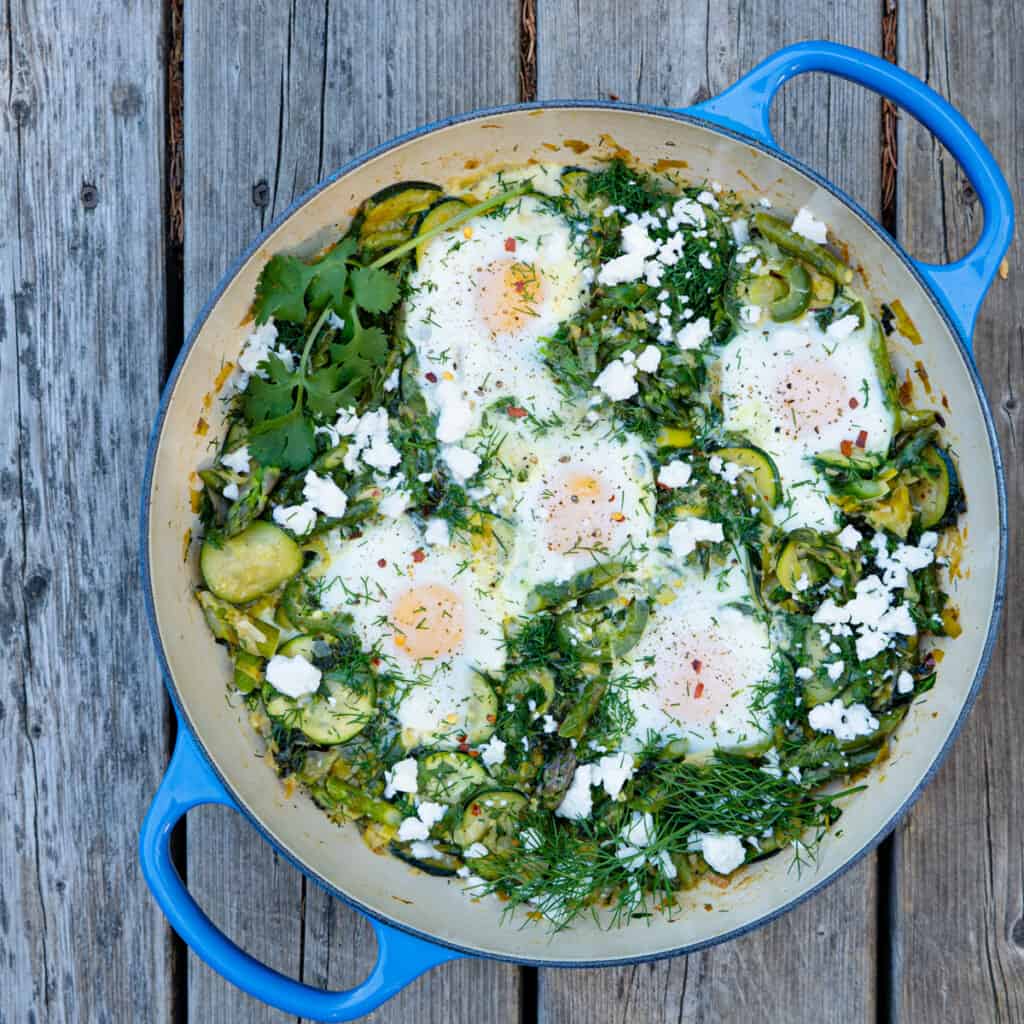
{"type": "Point", "coordinates": [843, 327]}
{"type": "Point", "coordinates": [412, 828]}
{"type": "Point", "coordinates": [849, 537]}
{"type": "Point", "coordinates": [705, 261]}
{"type": "Point", "coordinates": [577, 802]}
{"type": "Point", "coordinates": [461, 463]}
{"type": "Point", "coordinates": [300, 519]}
{"type": "Point", "coordinates": [475, 850]}
{"type": "Point", "coordinates": [430, 813]}
{"type": "Point", "coordinates": [804, 673]}
{"type": "Point", "coordinates": [722, 851]}
{"type": "Point", "coordinates": [237, 461]}
{"type": "Point", "coordinates": [765, 202]}
{"type": "Point", "coordinates": [294, 677]}
{"type": "Point", "coordinates": [637, 246]}
{"type": "Point", "coordinates": [740, 228]}
{"type": "Point", "coordinates": [613, 772]}
{"type": "Point", "coordinates": [904, 682]}
{"type": "Point", "coordinates": [391, 383]}
{"type": "Point", "coordinates": [324, 494]}
{"type": "Point", "coordinates": [618, 380]}
{"type": "Point", "coordinates": [694, 334]}
{"type": "Point", "coordinates": [872, 613]}
{"type": "Point", "coordinates": [806, 224]}
{"type": "Point", "coordinates": [423, 849]}
{"type": "Point", "coordinates": [844, 723]}
{"type": "Point", "coordinates": [437, 533]}
{"type": "Point", "coordinates": [708, 199]}
{"type": "Point", "coordinates": [395, 499]}
{"type": "Point", "coordinates": [649, 360]}
{"type": "Point", "coordinates": [550, 725]}
{"type": "Point", "coordinates": [771, 765]}
{"type": "Point", "coordinates": [675, 474]}
{"type": "Point", "coordinates": [834, 670]}
{"type": "Point", "coordinates": [493, 752]}
{"type": "Point", "coordinates": [686, 211]}
{"type": "Point", "coordinates": [803, 583]}
{"type": "Point", "coordinates": [687, 533]}
{"type": "Point", "coordinates": [896, 567]}
{"type": "Point", "coordinates": [259, 346]}
{"type": "Point", "coordinates": [456, 415]}
{"type": "Point", "coordinates": [231, 492]}
{"type": "Point", "coordinates": [402, 778]}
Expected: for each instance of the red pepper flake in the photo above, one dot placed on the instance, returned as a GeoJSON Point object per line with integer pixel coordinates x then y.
{"type": "Point", "coordinates": [492, 719]}
{"type": "Point", "coordinates": [846, 447]}
{"type": "Point", "coordinates": [520, 286]}
{"type": "Point", "coordinates": [375, 662]}
{"type": "Point", "coordinates": [382, 562]}
{"type": "Point", "coordinates": [663, 487]}
{"type": "Point", "coordinates": [510, 245]}
{"type": "Point", "coordinates": [475, 810]}
{"type": "Point", "coordinates": [474, 753]}
{"type": "Point", "coordinates": [862, 439]}
{"type": "Point", "coordinates": [854, 403]}
{"type": "Point", "coordinates": [697, 664]}
{"type": "Point", "coordinates": [517, 412]}
{"type": "Point", "coordinates": [698, 691]}
{"type": "Point", "coordinates": [618, 517]}
{"type": "Point", "coordinates": [418, 555]}
{"type": "Point", "coordinates": [431, 376]}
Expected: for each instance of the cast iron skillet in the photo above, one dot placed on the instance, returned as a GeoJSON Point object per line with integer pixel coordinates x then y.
{"type": "Point", "coordinates": [421, 921]}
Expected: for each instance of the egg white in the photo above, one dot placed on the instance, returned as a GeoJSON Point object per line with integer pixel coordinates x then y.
{"type": "Point", "coordinates": [700, 664]}
{"type": "Point", "coordinates": [433, 621]}
{"type": "Point", "coordinates": [575, 498]}
{"type": "Point", "coordinates": [481, 299]}
{"type": "Point", "coordinates": [795, 392]}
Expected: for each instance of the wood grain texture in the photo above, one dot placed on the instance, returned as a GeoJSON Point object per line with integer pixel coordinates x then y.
{"type": "Point", "coordinates": [960, 861]}
{"type": "Point", "coordinates": [677, 54]}
{"type": "Point", "coordinates": [308, 86]}
{"type": "Point", "coordinates": [83, 725]}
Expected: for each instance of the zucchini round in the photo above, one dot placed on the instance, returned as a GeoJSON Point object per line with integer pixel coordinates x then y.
{"type": "Point", "coordinates": [440, 213]}
{"type": "Point", "coordinates": [763, 472]}
{"type": "Point", "coordinates": [935, 496]}
{"type": "Point", "coordinates": [254, 562]}
{"type": "Point", "coordinates": [388, 215]}
{"type": "Point", "coordinates": [797, 297]}
{"type": "Point", "coordinates": [448, 776]}
{"type": "Point", "coordinates": [534, 683]}
{"type": "Point", "coordinates": [492, 818]}
{"type": "Point", "coordinates": [806, 554]}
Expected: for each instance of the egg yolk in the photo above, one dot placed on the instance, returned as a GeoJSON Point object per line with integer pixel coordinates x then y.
{"type": "Point", "coordinates": [508, 295]}
{"type": "Point", "coordinates": [808, 397]}
{"type": "Point", "coordinates": [428, 621]}
{"type": "Point", "coordinates": [581, 512]}
{"type": "Point", "coordinates": [695, 675]}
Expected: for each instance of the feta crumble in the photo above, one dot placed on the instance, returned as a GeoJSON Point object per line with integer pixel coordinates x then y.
{"type": "Point", "coordinates": [844, 723]}
{"type": "Point", "coordinates": [807, 225]}
{"type": "Point", "coordinates": [618, 380]}
{"type": "Point", "coordinates": [675, 474]}
{"type": "Point", "coordinates": [294, 677]}
{"type": "Point", "coordinates": [687, 533]}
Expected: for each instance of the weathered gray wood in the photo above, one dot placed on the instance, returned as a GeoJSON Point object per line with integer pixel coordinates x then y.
{"type": "Point", "coordinates": [83, 722]}
{"type": "Point", "coordinates": [310, 85]}
{"type": "Point", "coordinates": [676, 54]}
{"type": "Point", "coordinates": [960, 860]}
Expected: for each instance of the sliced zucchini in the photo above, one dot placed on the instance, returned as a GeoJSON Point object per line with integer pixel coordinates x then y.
{"type": "Point", "coordinates": [481, 712]}
{"type": "Point", "coordinates": [441, 864]}
{"type": "Point", "coordinates": [675, 437]}
{"type": "Point", "coordinates": [440, 213]}
{"type": "Point", "coordinates": [471, 724]}
{"type": "Point", "coordinates": [797, 296]}
{"type": "Point", "coordinates": [448, 776]}
{"type": "Point", "coordinates": [893, 513]}
{"type": "Point", "coordinates": [238, 628]}
{"type": "Point", "coordinates": [535, 683]}
{"type": "Point", "coordinates": [254, 562]}
{"type": "Point", "coordinates": [763, 471]}
{"type": "Point", "coordinates": [823, 290]}
{"type": "Point", "coordinates": [390, 215]}
{"type": "Point", "coordinates": [936, 495]}
{"type": "Point", "coordinates": [493, 818]}
{"type": "Point", "coordinates": [575, 182]}
{"type": "Point", "coordinates": [805, 554]}
{"type": "Point", "coordinates": [336, 712]}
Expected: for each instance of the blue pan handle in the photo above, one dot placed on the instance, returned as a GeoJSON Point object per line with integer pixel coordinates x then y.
{"type": "Point", "coordinates": [190, 781]}
{"type": "Point", "coordinates": [960, 286]}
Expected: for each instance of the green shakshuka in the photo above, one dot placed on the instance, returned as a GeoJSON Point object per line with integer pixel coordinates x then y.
{"type": "Point", "coordinates": [573, 535]}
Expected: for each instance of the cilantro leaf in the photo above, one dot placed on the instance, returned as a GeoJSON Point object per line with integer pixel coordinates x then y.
{"type": "Point", "coordinates": [325, 391]}
{"type": "Point", "coordinates": [328, 286]}
{"type": "Point", "coordinates": [270, 397]}
{"type": "Point", "coordinates": [374, 290]}
{"type": "Point", "coordinates": [287, 442]}
{"type": "Point", "coordinates": [281, 289]}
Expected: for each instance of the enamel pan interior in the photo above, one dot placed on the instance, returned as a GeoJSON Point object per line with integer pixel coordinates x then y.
{"type": "Point", "coordinates": [198, 669]}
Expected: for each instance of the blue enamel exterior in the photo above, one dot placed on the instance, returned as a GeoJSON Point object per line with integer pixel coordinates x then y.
{"type": "Point", "coordinates": [741, 111]}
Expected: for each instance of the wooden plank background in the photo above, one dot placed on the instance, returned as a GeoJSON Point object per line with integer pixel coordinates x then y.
{"type": "Point", "coordinates": [93, 296]}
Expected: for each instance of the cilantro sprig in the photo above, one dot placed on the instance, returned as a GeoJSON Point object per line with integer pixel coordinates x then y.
{"type": "Point", "coordinates": [333, 290]}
